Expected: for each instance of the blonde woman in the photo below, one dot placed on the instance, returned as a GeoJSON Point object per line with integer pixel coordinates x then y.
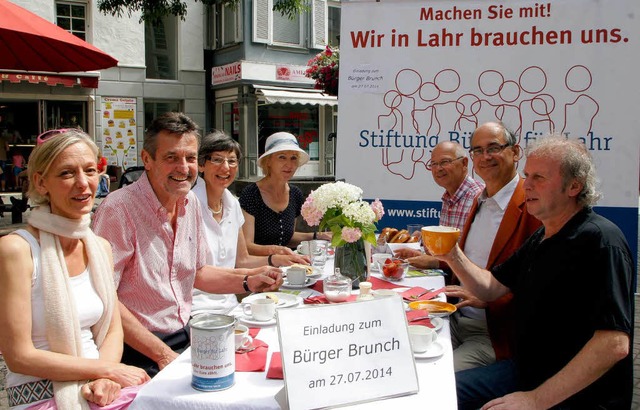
{"type": "Point", "coordinates": [62, 337]}
{"type": "Point", "coordinates": [271, 205]}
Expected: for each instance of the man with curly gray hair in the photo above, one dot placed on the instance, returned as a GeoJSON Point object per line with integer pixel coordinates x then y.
{"type": "Point", "coordinates": [572, 286]}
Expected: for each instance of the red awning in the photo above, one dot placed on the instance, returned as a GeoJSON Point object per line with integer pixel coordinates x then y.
{"type": "Point", "coordinates": [55, 79]}
{"type": "Point", "coordinates": [30, 43]}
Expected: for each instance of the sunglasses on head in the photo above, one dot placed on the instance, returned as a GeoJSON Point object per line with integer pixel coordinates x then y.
{"type": "Point", "coordinates": [49, 134]}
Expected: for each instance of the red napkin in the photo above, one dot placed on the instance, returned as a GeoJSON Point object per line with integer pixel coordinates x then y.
{"type": "Point", "coordinates": [412, 314]}
{"type": "Point", "coordinates": [322, 299]}
{"type": "Point", "coordinates": [408, 294]}
{"type": "Point", "coordinates": [253, 331]}
{"type": "Point", "coordinates": [275, 367]}
{"type": "Point", "coordinates": [318, 286]}
{"type": "Point", "coordinates": [254, 361]}
{"type": "Point", "coordinates": [381, 284]}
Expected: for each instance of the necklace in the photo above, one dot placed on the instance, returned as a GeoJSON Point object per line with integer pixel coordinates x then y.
{"type": "Point", "coordinates": [218, 212]}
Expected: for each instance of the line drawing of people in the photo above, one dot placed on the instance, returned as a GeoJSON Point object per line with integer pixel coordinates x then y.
{"type": "Point", "coordinates": [579, 79]}
{"type": "Point", "coordinates": [538, 109]}
{"type": "Point", "coordinates": [445, 104]}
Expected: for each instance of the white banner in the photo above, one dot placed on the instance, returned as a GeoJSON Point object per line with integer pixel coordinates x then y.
{"type": "Point", "coordinates": [413, 74]}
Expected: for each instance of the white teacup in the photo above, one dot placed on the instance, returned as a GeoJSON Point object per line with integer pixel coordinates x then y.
{"type": "Point", "coordinates": [260, 309]}
{"type": "Point", "coordinates": [378, 260]}
{"type": "Point", "coordinates": [304, 247]}
{"type": "Point", "coordinates": [421, 338]}
{"type": "Point", "coordinates": [296, 276]}
{"type": "Point", "coordinates": [242, 338]}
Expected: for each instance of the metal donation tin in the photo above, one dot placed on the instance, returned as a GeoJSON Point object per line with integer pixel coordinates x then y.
{"type": "Point", "coordinates": [213, 357]}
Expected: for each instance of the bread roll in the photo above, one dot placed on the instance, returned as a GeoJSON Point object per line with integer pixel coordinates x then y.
{"type": "Point", "coordinates": [401, 237]}
{"type": "Point", "coordinates": [385, 235]}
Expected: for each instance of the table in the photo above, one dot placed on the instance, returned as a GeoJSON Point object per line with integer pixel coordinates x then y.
{"type": "Point", "coordinates": [171, 388]}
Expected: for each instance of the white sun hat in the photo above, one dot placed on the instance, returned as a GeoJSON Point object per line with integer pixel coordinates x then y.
{"type": "Point", "coordinates": [283, 141]}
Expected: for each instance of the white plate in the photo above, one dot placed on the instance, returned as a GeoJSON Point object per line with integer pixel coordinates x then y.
{"type": "Point", "coordinates": [435, 350]}
{"type": "Point", "coordinates": [251, 321]}
{"type": "Point", "coordinates": [285, 300]}
{"type": "Point", "coordinates": [309, 282]}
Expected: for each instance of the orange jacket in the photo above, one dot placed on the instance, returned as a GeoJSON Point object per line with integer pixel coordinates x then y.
{"type": "Point", "coordinates": [516, 226]}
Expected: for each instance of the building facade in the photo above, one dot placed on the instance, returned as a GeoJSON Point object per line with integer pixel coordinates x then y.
{"type": "Point", "coordinates": [160, 68]}
{"type": "Point", "coordinates": [240, 69]}
{"type": "Point", "coordinates": [256, 59]}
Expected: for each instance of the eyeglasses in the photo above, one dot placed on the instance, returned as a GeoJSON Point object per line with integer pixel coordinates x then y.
{"type": "Point", "coordinates": [444, 163]}
{"type": "Point", "coordinates": [492, 149]}
{"type": "Point", "coordinates": [218, 161]}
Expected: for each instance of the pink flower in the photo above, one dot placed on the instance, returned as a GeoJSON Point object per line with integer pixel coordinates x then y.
{"type": "Point", "coordinates": [310, 213]}
{"type": "Point", "coordinates": [378, 209]}
{"type": "Point", "coordinates": [350, 235]}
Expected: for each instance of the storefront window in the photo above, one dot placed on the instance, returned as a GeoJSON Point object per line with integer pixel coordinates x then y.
{"type": "Point", "coordinates": [66, 114]}
{"type": "Point", "coordinates": [300, 120]}
{"type": "Point", "coordinates": [231, 120]}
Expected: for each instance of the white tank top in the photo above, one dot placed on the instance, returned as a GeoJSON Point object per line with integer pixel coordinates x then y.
{"type": "Point", "coordinates": [88, 303]}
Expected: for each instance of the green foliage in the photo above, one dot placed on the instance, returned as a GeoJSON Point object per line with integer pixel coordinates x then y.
{"type": "Point", "coordinates": [291, 8]}
{"type": "Point", "coordinates": [154, 10]}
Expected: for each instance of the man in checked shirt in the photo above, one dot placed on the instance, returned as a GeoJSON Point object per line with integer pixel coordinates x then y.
{"type": "Point", "coordinates": [449, 166]}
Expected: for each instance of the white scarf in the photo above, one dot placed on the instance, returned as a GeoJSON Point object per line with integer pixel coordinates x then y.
{"type": "Point", "coordinates": [61, 319]}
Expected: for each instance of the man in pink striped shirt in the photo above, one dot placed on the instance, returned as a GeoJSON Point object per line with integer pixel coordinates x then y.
{"type": "Point", "coordinates": [154, 227]}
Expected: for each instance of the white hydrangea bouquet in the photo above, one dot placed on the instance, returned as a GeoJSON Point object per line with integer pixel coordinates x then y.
{"type": "Point", "coordinates": [339, 207]}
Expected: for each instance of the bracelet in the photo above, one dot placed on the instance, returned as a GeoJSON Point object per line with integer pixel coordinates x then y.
{"type": "Point", "coordinates": [245, 284]}
{"type": "Point", "coordinates": [315, 235]}
{"type": "Point", "coordinates": [269, 261]}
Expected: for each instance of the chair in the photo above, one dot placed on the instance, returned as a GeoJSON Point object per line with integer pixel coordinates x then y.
{"type": "Point", "coordinates": [131, 175]}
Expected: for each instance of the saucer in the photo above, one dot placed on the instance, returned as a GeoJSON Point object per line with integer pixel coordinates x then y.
{"type": "Point", "coordinates": [308, 282]}
{"type": "Point", "coordinates": [437, 323]}
{"type": "Point", "coordinates": [435, 350]}
{"type": "Point", "coordinates": [251, 321]}
{"type": "Point", "coordinates": [316, 271]}
{"type": "Point", "coordinates": [285, 300]}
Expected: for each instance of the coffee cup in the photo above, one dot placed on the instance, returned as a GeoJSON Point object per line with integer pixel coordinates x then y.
{"type": "Point", "coordinates": [304, 248]}
{"type": "Point", "coordinates": [296, 276]}
{"type": "Point", "coordinates": [439, 240]}
{"type": "Point", "coordinates": [242, 338]}
{"type": "Point", "coordinates": [421, 338]}
{"type": "Point", "coordinates": [260, 309]}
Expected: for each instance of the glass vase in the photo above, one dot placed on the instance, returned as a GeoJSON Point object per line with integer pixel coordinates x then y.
{"type": "Point", "coordinates": [351, 258]}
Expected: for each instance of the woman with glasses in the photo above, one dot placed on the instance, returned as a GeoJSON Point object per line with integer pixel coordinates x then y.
{"type": "Point", "coordinates": [271, 205]}
{"type": "Point", "coordinates": [218, 161]}
{"type": "Point", "coordinates": [61, 332]}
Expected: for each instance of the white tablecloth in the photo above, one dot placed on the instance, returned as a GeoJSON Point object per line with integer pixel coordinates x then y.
{"type": "Point", "coordinates": [171, 388]}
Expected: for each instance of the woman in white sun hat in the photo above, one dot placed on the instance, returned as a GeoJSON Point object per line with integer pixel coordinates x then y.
{"type": "Point", "coordinates": [271, 205]}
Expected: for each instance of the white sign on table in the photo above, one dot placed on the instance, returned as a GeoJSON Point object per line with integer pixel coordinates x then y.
{"type": "Point", "coordinates": [346, 353]}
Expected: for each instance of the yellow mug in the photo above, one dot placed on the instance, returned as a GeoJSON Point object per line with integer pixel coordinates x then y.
{"type": "Point", "coordinates": [439, 240]}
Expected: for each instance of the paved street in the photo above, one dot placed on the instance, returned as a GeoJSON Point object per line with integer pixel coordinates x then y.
{"type": "Point", "coordinates": [6, 222]}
